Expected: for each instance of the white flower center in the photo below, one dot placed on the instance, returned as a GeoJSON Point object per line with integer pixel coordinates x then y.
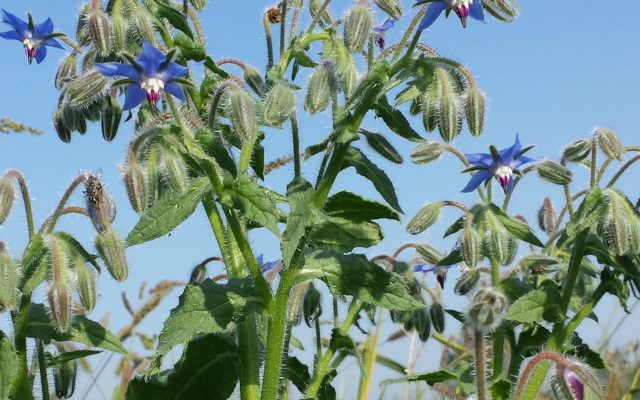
{"type": "Point", "coordinates": [460, 3]}
{"type": "Point", "coordinates": [30, 43]}
{"type": "Point", "coordinates": [503, 171]}
{"type": "Point", "coordinates": [152, 85]}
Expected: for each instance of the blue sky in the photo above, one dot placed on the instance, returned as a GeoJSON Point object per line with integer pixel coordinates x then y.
{"type": "Point", "coordinates": [553, 75]}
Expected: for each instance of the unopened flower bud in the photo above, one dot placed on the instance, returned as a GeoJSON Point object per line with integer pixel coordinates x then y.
{"type": "Point", "coordinates": [436, 314]}
{"type": "Point", "coordinates": [467, 282]}
{"type": "Point", "coordinates": [142, 26]}
{"type": "Point", "coordinates": [63, 131]}
{"type": "Point", "coordinates": [577, 151]}
{"type": "Point", "coordinates": [357, 28]}
{"type": "Point", "coordinates": [449, 112]}
{"type": "Point", "coordinates": [279, 105]}
{"type": "Point", "coordinates": [64, 378]}
{"type": "Point", "coordinates": [553, 172]}
{"type": "Point", "coordinates": [254, 80]}
{"type": "Point", "coordinates": [615, 224]}
{"type": "Point", "coordinates": [609, 143]}
{"type": "Point", "coordinates": [86, 283]}
{"type": "Point", "coordinates": [426, 151]}
{"type": "Point", "coordinates": [111, 121]}
{"type": "Point", "coordinates": [426, 217]}
{"type": "Point", "coordinates": [429, 253]}
{"type": "Point", "coordinates": [393, 8]}
{"type": "Point", "coordinates": [66, 70]}
{"type": "Point", "coordinates": [199, 5]}
{"type": "Point", "coordinates": [136, 185]}
{"type": "Point", "coordinates": [119, 28]}
{"type": "Point", "coordinates": [8, 280]}
{"type": "Point", "coordinates": [321, 89]}
{"type": "Point", "coordinates": [242, 113]}
{"type": "Point", "coordinates": [470, 244]}
{"type": "Point", "coordinates": [430, 105]}
{"type": "Point", "coordinates": [474, 108]}
{"type": "Point", "coordinates": [7, 196]}
{"type": "Point", "coordinates": [487, 309]}
{"type": "Point", "coordinates": [86, 89]}
{"type": "Point", "coordinates": [496, 238]}
{"type": "Point", "coordinates": [382, 146]}
{"type": "Point", "coordinates": [111, 248]}
{"type": "Point", "coordinates": [199, 273]}
{"type": "Point", "coordinates": [59, 298]}
{"type": "Point", "coordinates": [311, 307]}
{"type": "Point", "coordinates": [176, 170]}
{"type": "Point", "coordinates": [153, 176]}
{"type": "Point", "coordinates": [422, 324]}
{"type": "Point", "coordinates": [547, 217]}
{"type": "Point", "coordinates": [576, 385]}
{"type": "Point", "coordinates": [100, 31]}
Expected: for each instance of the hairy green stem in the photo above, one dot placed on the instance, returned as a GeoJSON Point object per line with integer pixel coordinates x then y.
{"type": "Point", "coordinates": [594, 155]}
{"type": "Point", "coordinates": [26, 198]}
{"type": "Point", "coordinates": [498, 335]}
{"type": "Point", "coordinates": [319, 12]}
{"type": "Point", "coordinates": [481, 374]}
{"type": "Point", "coordinates": [622, 169]}
{"type": "Point", "coordinates": [63, 201]}
{"type": "Point", "coordinates": [296, 145]}
{"type": "Point", "coordinates": [267, 34]}
{"type": "Point", "coordinates": [283, 30]}
{"type": "Point", "coordinates": [405, 37]}
{"type": "Point", "coordinates": [42, 366]}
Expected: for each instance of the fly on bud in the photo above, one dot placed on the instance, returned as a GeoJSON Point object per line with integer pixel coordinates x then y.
{"type": "Point", "coordinates": [323, 86]}
{"type": "Point", "coordinates": [35, 38]}
{"type": "Point", "coordinates": [111, 248]}
{"type": "Point", "coordinates": [357, 27]}
{"type": "Point", "coordinates": [7, 196]}
{"type": "Point", "coordinates": [100, 207]}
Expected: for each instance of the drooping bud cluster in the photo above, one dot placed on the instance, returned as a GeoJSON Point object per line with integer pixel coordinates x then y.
{"type": "Point", "coordinates": [487, 309]}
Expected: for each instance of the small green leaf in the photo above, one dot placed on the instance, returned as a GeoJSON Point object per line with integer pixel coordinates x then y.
{"type": "Point", "coordinates": [78, 248]}
{"type": "Point", "coordinates": [175, 17]}
{"type": "Point", "coordinates": [340, 340]}
{"type": "Point", "coordinates": [255, 202]}
{"type": "Point", "coordinates": [8, 366]}
{"type": "Point", "coordinates": [167, 213]}
{"type": "Point", "coordinates": [69, 356]}
{"type": "Point", "coordinates": [395, 120]}
{"type": "Point", "coordinates": [82, 330]}
{"type": "Point", "coordinates": [431, 378]}
{"type": "Point", "coordinates": [351, 206]}
{"type": "Point", "coordinates": [536, 305]}
{"type": "Point", "coordinates": [300, 194]}
{"type": "Point", "coordinates": [517, 228]}
{"type": "Point", "coordinates": [343, 235]}
{"type": "Point", "coordinates": [208, 307]}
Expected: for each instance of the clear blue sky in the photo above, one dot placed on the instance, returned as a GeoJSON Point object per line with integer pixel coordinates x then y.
{"type": "Point", "coordinates": [561, 69]}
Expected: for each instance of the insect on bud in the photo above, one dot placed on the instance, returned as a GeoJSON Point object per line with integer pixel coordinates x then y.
{"type": "Point", "coordinates": [111, 248]}
{"type": "Point", "coordinates": [487, 309]}
{"type": "Point", "coordinates": [609, 143]}
{"type": "Point", "coordinates": [357, 28]}
{"type": "Point", "coordinates": [393, 8]}
{"type": "Point", "coordinates": [8, 280]}
{"type": "Point", "coordinates": [426, 217]}
{"type": "Point", "coordinates": [322, 88]}
{"type": "Point", "coordinates": [136, 185]}
{"type": "Point", "coordinates": [175, 169]}
{"type": "Point", "coordinates": [311, 307]}
{"type": "Point", "coordinates": [100, 31]}
{"type": "Point", "coordinates": [7, 196]}
{"type": "Point", "coordinates": [242, 113]}
{"type": "Point", "coordinates": [467, 282]}
{"type": "Point", "coordinates": [553, 172]}
{"type": "Point", "coordinates": [59, 299]}
{"type": "Point", "coordinates": [64, 378]}
{"type": "Point", "coordinates": [100, 208]}
{"type": "Point", "coordinates": [86, 283]}
{"type": "Point", "coordinates": [474, 108]}
{"type": "Point", "coordinates": [426, 152]}
{"type": "Point", "coordinates": [577, 151]}
{"type": "Point", "coordinates": [279, 105]}
{"type": "Point", "coordinates": [66, 70]}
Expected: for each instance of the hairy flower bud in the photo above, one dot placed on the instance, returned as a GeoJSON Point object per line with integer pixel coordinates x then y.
{"type": "Point", "coordinates": [449, 113]}
{"type": "Point", "coordinates": [153, 176]}
{"type": "Point", "coordinates": [62, 129]}
{"type": "Point", "coordinates": [85, 283]}
{"type": "Point", "coordinates": [141, 25]}
{"type": "Point", "coordinates": [8, 280]}
{"type": "Point", "coordinates": [241, 110]}
{"type": "Point", "coordinates": [474, 108]}
{"type": "Point", "coordinates": [553, 172]}
{"type": "Point", "coordinates": [487, 309]}
{"type": "Point", "coordinates": [100, 31]}
{"type": "Point", "coordinates": [357, 28]}
{"type": "Point", "coordinates": [64, 379]}
{"type": "Point", "coordinates": [426, 151]}
{"type": "Point", "coordinates": [119, 29]}
{"type": "Point", "coordinates": [7, 196]}
{"type": "Point", "coordinates": [429, 253]}
{"type": "Point", "coordinates": [66, 71]}
{"type": "Point", "coordinates": [430, 106]}
{"type": "Point", "coordinates": [175, 169]}
{"type": "Point", "coordinates": [279, 105]}
{"type": "Point", "coordinates": [422, 324]}
{"type": "Point", "coordinates": [312, 306]}
{"type": "Point", "coordinates": [496, 238]}
{"type": "Point", "coordinates": [577, 151]}
{"type": "Point", "coordinates": [321, 89]}
{"type": "Point", "coordinates": [436, 314]}
{"type": "Point", "coordinates": [111, 121]}
{"type": "Point", "coordinates": [470, 243]}
{"type": "Point", "coordinates": [609, 143]}
{"type": "Point", "coordinates": [426, 217]}
{"type": "Point", "coordinates": [467, 282]}
{"type": "Point", "coordinates": [111, 248]}
{"type": "Point", "coordinates": [136, 185]}
{"type": "Point", "coordinates": [86, 89]}
{"type": "Point", "coordinates": [59, 298]}
{"type": "Point", "coordinates": [547, 217]}
{"type": "Point", "coordinates": [393, 8]}
{"type": "Point", "coordinates": [254, 80]}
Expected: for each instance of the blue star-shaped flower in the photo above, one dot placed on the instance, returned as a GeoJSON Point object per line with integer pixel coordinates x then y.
{"type": "Point", "coordinates": [267, 266]}
{"type": "Point", "coordinates": [499, 164]}
{"type": "Point", "coordinates": [380, 31]}
{"type": "Point", "coordinates": [462, 8]}
{"type": "Point", "coordinates": [149, 73]}
{"type": "Point", "coordinates": [34, 37]}
{"type": "Point", "coordinates": [440, 272]}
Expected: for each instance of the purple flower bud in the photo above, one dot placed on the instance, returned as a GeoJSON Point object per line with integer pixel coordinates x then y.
{"type": "Point", "coordinates": [577, 387]}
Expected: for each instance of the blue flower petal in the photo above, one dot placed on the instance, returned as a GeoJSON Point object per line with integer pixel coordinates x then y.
{"type": "Point", "coordinates": [52, 43]}
{"type": "Point", "coordinates": [12, 35]}
{"type": "Point", "coordinates": [479, 159]}
{"type": "Point", "coordinates": [475, 11]}
{"type": "Point", "coordinates": [476, 180]}
{"type": "Point", "coordinates": [173, 70]}
{"type": "Point", "coordinates": [424, 268]}
{"type": "Point", "coordinates": [112, 70]}
{"type": "Point", "coordinates": [150, 59]}
{"type": "Point", "coordinates": [175, 89]}
{"type": "Point", "coordinates": [41, 53]}
{"type": "Point", "coordinates": [135, 95]}
{"type": "Point", "coordinates": [388, 24]}
{"type": "Point", "coordinates": [19, 25]}
{"type": "Point", "coordinates": [507, 156]}
{"type": "Point", "coordinates": [522, 160]}
{"type": "Point", "coordinates": [260, 259]}
{"type": "Point", "coordinates": [433, 12]}
{"type": "Point", "coordinates": [43, 29]}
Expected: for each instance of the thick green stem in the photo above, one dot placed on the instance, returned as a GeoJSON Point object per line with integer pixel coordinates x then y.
{"type": "Point", "coordinates": [249, 350]}
{"type": "Point", "coordinates": [573, 271]}
{"type": "Point", "coordinates": [481, 374]}
{"type": "Point", "coordinates": [42, 366]}
{"type": "Point", "coordinates": [498, 335]}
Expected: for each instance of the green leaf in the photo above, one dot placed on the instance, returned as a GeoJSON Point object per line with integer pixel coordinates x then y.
{"type": "Point", "coordinates": [82, 330]}
{"type": "Point", "coordinates": [351, 206]}
{"type": "Point", "coordinates": [395, 120]}
{"type": "Point", "coordinates": [517, 228]}
{"type": "Point", "coordinates": [31, 265]}
{"type": "Point", "coordinates": [8, 366]}
{"type": "Point", "coordinates": [500, 389]}
{"type": "Point", "coordinates": [175, 17]}
{"type": "Point", "coordinates": [208, 307]}
{"type": "Point", "coordinates": [340, 340]}
{"type": "Point", "coordinates": [344, 235]}
{"type": "Point", "coordinates": [190, 49]}
{"type": "Point", "coordinates": [587, 214]}
{"type": "Point", "coordinates": [255, 202]}
{"type": "Point", "coordinates": [431, 378]}
{"type": "Point", "coordinates": [536, 305]}
{"type": "Point", "coordinates": [300, 194]}
{"type": "Point", "coordinates": [167, 213]}
{"type": "Point", "coordinates": [296, 372]}
{"type": "Point", "coordinates": [356, 158]}
{"type": "Point", "coordinates": [78, 248]}
{"type": "Point", "coordinates": [455, 227]}
{"type": "Point", "coordinates": [354, 275]}
{"type": "Point", "coordinates": [209, 369]}
{"type": "Point", "coordinates": [69, 356]}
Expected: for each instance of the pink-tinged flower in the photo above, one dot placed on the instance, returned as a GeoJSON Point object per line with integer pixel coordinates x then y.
{"type": "Point", "coordinates": [498, 164]}
{"type": "Point", "coordinates": [462, 8]}
{"type": "Point", "coordinates": [149, 74]}
{"type": "Point", "coordinates": [380, 31]}
{"type": "Point", "coordinates": [34, 37]}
